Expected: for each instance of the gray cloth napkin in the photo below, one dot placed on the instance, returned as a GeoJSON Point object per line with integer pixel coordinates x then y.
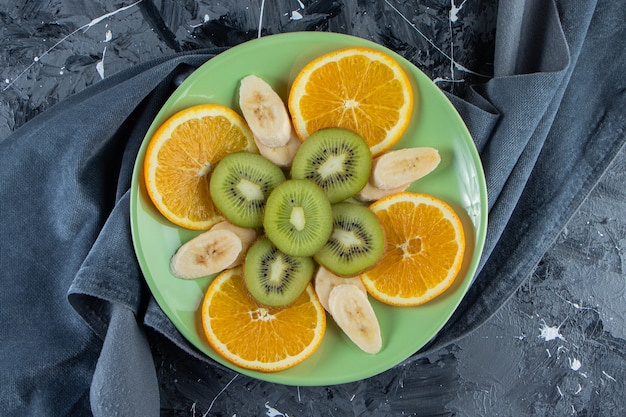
{"type": "Point", "coordinates": [74, 306]}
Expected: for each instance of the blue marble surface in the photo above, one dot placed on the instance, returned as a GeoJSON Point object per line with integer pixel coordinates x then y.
{"type": "Point", "coordinates": [556, 348]}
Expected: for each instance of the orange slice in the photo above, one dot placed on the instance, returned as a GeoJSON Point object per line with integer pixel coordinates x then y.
{"type": "Point", "coordinates": [357, 88]}
{"type": "Point", "coordinates": [180, 156]}
{"type": "Point", "coordinates": [251, 336]}
{"type": "Point", "coordinates": [425, 248]}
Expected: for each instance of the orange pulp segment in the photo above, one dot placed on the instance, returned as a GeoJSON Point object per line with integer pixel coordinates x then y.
{"type": "Point", "coordinates": [181, 155]}
{"type": "Point", "coordinates": [357, 88]}
{"type": "Point", "coordinates": [425, 248]}
{"type": "Point", "coordinates": [256, 337]}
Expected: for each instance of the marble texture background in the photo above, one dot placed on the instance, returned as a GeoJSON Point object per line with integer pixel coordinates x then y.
{"type": "Point", "coordinates": [556, 348]}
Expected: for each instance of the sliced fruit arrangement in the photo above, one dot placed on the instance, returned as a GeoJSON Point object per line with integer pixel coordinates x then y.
{"type": "Point", "coordinates": [281, 194]}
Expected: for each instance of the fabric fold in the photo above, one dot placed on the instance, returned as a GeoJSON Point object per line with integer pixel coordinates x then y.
{"type": "Point", "coordinates": [526, 94]}
{"type": "Point", "coordinates": [108, 276]}
{"type": "Point", "coordinates": [63, 177]}
{"type": "Point", "coordinates": [538, 196]}
{"type": "Point", "coordinates": [125, 381]}
{"type": "Point", "coordinates": [530, 38]}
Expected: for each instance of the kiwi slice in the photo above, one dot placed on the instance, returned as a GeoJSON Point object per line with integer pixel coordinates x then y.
{"type": "Point", "coordinates": [336, 159]}
{"type": "Point", "coordinates": [356, 243]}
{"type": "Point", "coordinates": [240, 185]}
{"type": "Point", "coordinates": [274, 278]}
{"type": "Point", "coordinates": [298, 217]}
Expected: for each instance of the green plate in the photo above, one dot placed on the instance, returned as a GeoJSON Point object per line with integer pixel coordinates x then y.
{"type": "Point", "coordinates": [459, 180]}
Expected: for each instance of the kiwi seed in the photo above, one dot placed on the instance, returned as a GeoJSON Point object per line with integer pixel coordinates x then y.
{"type": "Point", "coordinates": [356, 243]}
{"type": "Point", "coordinates": [274, 278]}
{"type": "Point", "coordinates": [336, 159]}
{"type": "Point", "coordinates": [240, 185]}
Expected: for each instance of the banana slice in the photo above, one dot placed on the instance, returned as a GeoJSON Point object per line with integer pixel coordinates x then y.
{"type": "Point", "coordinates": [371, 193]}
{"type": "Point", "coordinates": [247, 236]}
{"type": "Point", "coordinates": [353, 313]}
{"type": "Point", "coordinates": [401, 167]}
{"type": "Point", "coordinates": [325, 281]}
{"type": "Point", "coordinates": [264, 111]}
{"type": "Point", "coordinates": [280, 155]}
{"type": "Point", "coordinates": [206, 254]}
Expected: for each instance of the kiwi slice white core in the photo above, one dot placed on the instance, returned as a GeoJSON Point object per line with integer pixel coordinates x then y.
{"type": "Point", "coordinates": [277, 270]}
{"type": "Point", "coordinates": [347, 238]}
{"type": "Point", "coordinates": [298, 218]}
{"type": "Point", "coordinates": [250, 190]}
{"type": "Point", "coordinates": [332, 166]}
